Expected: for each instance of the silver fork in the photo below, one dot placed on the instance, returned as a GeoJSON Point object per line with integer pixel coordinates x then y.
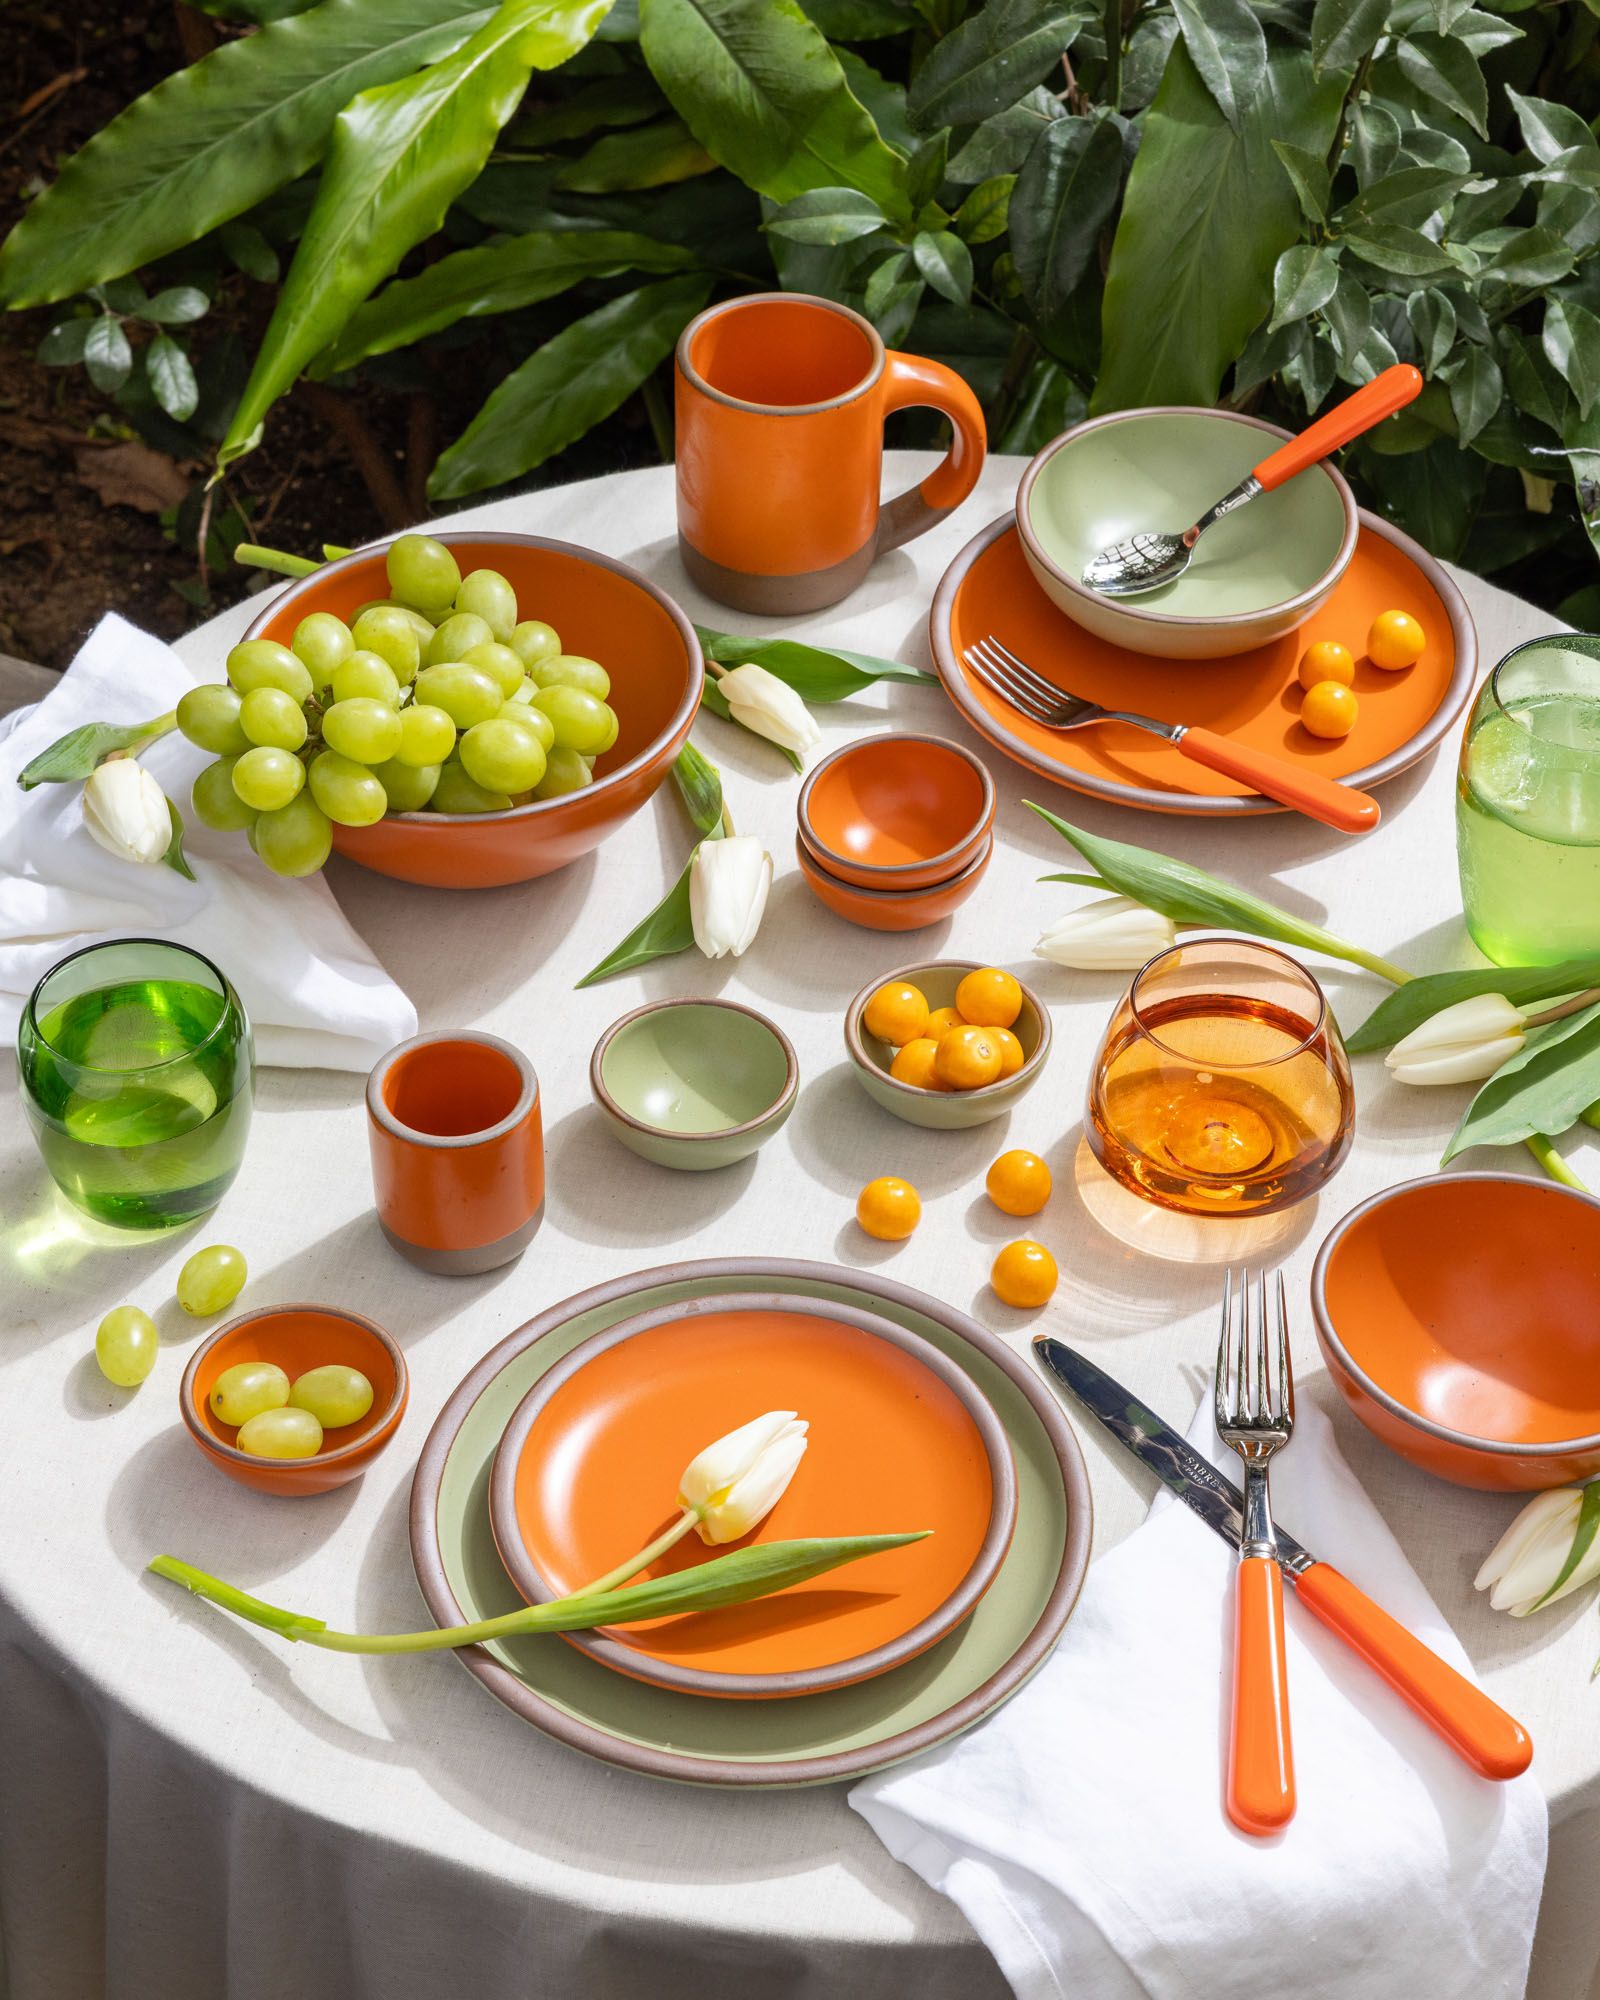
{"type": "Point", "coordinates": [1001, 671]}
{"type": "Point", "coordinates": [1255, 1416]}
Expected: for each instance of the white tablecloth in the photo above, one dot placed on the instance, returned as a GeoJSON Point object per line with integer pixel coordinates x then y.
{"type": "Point", "coordinates": [188, 1808]}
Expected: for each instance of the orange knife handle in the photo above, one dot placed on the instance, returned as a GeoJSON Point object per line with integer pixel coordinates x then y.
{"type": "Point", "coordinates": [1319, 798]}
{"type": "Point", "coordinates": [1492, 1742]}
{"type": "Point", "coordinates": [1372, 402]}
{"type": "Point", "coordinates": [1260, 1759]}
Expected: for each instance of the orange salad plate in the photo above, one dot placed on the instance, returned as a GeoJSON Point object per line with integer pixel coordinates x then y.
{"type": "Point", "coordinates": [899, 1438]}
{"type": "Point", "coordinates": [1253, 698]}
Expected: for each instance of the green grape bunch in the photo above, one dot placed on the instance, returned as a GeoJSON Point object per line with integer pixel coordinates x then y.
{"type": "Point", "coordinates": [438, 698]}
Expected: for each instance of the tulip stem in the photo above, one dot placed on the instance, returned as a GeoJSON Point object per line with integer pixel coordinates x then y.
{"type": "Point", "coordinates": [647, 1555]}
{"type": "Point", "coordinates": [1575, 1005]}
{"type": "Point", "coordinates": [250, 555]}
{"type": "Point", "coordinates": [1552, 1162]}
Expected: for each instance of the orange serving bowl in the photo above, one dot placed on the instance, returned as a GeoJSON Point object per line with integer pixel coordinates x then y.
{"type": "Point", "coordinates": [1460, 1317]}
{"type": "Point", "coordinates": [601, 608]}
{"type": "Point", "coordinates": [891, 909]}
{"type": "Point", "coordinates": [298, 1337]}
{"type": "Point", "coordinates": [896, 812]}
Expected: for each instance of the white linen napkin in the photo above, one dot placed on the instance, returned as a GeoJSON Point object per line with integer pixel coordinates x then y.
{"type": "Point", "coordinates": [1081, 1829]}
{"type": "Point", "coordinates": [316, 996]}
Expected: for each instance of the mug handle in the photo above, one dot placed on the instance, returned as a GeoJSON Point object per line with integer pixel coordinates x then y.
{"type": "Point", "coordinates": [910, 382]}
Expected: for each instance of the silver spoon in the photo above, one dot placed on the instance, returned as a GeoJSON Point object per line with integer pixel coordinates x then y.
{"type": "Point", "coordinates": [1146, 561]}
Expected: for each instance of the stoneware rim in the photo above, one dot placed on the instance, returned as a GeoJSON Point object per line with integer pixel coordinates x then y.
{"type": "Point", "coordinates": [525, 1574]}
{"type": "Point", "coordinates": [856, 1046]}
{"type": "Point", "coordinates": [1384, 1398]}
{"type": "Point", "coordinates": [682, 716]}
{"type": "Point", "coordinates": [1179, 621]}
{"type": "Point", "coordinates": [649, 1759]}
{"type": "Point", "coordinates": [702, 387]}
{"type": "Point", "coordinates": [895, 872]}
{"type": "Point", "coordinates": [1242, 805]}
{"type": "Point", "coordinates": [609, 1105]}
{"type": "Point", "coordinates": [369, 1443]}
{"type": "Point", "coordinates": [411, 1135]}
{"type": "Point", "coordinates": [898, 899]}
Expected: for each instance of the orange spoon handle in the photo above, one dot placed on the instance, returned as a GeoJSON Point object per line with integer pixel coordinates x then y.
{"type": "Point", "coordinates": [1319, 798]}
{"type": "Point", "coordinates": [1372, 402]}
{"type": "Point", "coordinates": [1495, 1744]}
{"type": "Point", "coordinates": [1260, 1759]}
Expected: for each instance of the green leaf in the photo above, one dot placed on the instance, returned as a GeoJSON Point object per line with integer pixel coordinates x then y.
{"type": "Point", "coordinates": [945, 262]}
{"type": "Point", "coordinates": [763, 92]}
{"type": "Point", "coordinates": [256, 12]}
{"type": "Point", "coordinates": [700, 787]}
{"type": "Point", "coordinates": [106, 354]}
{"type": "Point", "coordinates": [829, 216]}
{"type": "Point", "coordinates": [1306, 277]}
{"type": "Point", "coordinates": [885, 104]}
{"type": "Point", "coordinates": [1583, 1535]}
{"type": "Point", "coordinates": [250, 251]}
{"type": "Point", "coordinates": [858, 20]}
{"type": "Point", "coordinates": [1550, 129]}
{"type": "Point", "coordinates": [72, 757]}
{"type": "Point", "coordinates": [1391, 246]}
{"type": "Point", "coordinates": [1531, 257]}
{"type": "Point", "coordinates": [1207, 213]}
{"type": "Point", "coordinates": [1433, 493]}
{"type": "Point", "coordinates": [1445, 69]}
{"type": "Point", "coordinates": [991, 59]}
{"type": "Point", "coordinates": [1541, 1090]}
{"type": "Point", "coordinates": [171, 378]}
{"type": "Point", "coordinates": [1227, 46]}
{"type": "Point", "coordinates": [1308, 172]}
{"type": "Point", "coordinates": [667, 930]}
{"type": "Point", "coordinates": [1064, 197]}
{"type": "Point", "coordinates": [215, 138]}
{"type": "Point", "coordinates": [816, 674]}
{"type": "Point", "coordinates": [1475, 392]}
{"type": "Point", "coordinates": [1571, 342]}
{"type": "Point", "coordinates": [565, 387]}
{"type": "Point", "coordinates": [885, 280]}
{"type": "Point", "coordinates": [1432, 319]}
{"type": "Point", "coordinates": [1000, 144]}
{"type": "Point", "coordinates": [1374, 142]}
{"type": "Point", "coordinates": [1429, 994]}
{"type": "Point", "coordinates": [1343, 31]}
{"type": "Point", "coordinates": [1410, 195]}
{"type": "Point", "coordinates": [63, 345]}
{"type": "Point", "coordinates": [649, 156]}
{"type": "Point", "coordinates": [400, 155]}
{"type": "Point", "coordinates": [1349, 316]}
{"type": "Point", "coordinates": [121, 295]}
{"type": "Point", "coordinates": [175, 858]}
{"type": "Point", "coordinates": [983, 215]}
{"type": "Point", "coordinates": [176, 306]}
{"type": "Point", "coordinates": [925, 170]}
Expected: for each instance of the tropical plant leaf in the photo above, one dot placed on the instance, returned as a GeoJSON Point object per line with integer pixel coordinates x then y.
{"type": "Point", "coordinates": [1063, 199]}
{"type": "Point", "coordinates": [1391, 246]}
{"type": "Point", "coordinates": [816, 674]}
{"type": "Point", "coordinates": [991, 59]}
{"type": "Point", "coordinates": [1544, 1087]}
{"type": "Point", "coordinates": [1343, 31]}
{"type": "Point", "coordinates": [171, 378]}
{"type": "Point", "coordinates": [1571, 342]}
{"type": "Point", "coordinates": [1550, 129]}
{"type": "Point", "coordinates": [1431, 315]}
{"type": "Point", "coordinates": [1421, 998]}
{"type": "Point", "coordinates": [1530, 258]}
{"type": "Point", "coordinates": [175, 306]}
{"type": "Point", "coordinates": [1443, 68]}
{"type": "Point", "coordinates": [859, 20]}
{"type": "Point", "coordinates": [828, 216]}
{"type": "Point", "coordinates": [1475, 392]}
{"type": "Point", "coordinates": [215, 138]}
{"type": "Point", "coordinates": [63, 345]}
{"type": "Point", "coordinates": [612, 101]}
{"type": "Point", "coordinates": [255, 13]}
{"type": "Point", "coordinates": [400, 155]}
{"type": "Point", "coordinates": [648, 156]}
{"type": "Point", "coordinates": [72, 757]}
{"type": "Point", "coordinates": [1410, 194]}
{"type": "Point", "coordinates": [945, 263]}
{"type": "Point", "coordinates": [106, 354]}
{"type": "Point", "coordinates": [1305, 278]}
{"type": "Point", "coordinates": [565, 387]}
{"type": "Point", "coordinates": [1308, 172]}
{"type": "Point", "coordinates": [1227, 46]}
{"type": "Point", "coordinates": [250, 251]}
{"type": "Point", "coordinates": [984, 214]}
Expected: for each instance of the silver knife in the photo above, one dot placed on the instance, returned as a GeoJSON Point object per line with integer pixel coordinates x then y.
{"type": "Point", "coordinates": [1477, 1729]}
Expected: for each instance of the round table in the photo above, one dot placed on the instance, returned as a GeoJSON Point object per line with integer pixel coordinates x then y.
{"type": "Point", "coordinates": [188, 1806]}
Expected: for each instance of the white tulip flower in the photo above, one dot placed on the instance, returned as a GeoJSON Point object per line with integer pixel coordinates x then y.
{"type": "Point", "coordinates": [1460, 1044]}
{"type": "Point", "coordinates": [126, 811]}
{"type": "Point", "coordinates": [728, 884]}
{"type": "Point", "coordinates": [1112, 935]}
{"type": "Point", "coordinates": [1523, 1565]}
{"type": "Point", "coordinates": [737, 1481]}
{"type": "Point", "coordinates": [770, 707]}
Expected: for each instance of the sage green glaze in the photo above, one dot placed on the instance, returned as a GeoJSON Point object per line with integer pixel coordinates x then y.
{"type": "Point", "coordinates": [754, 1732]}
{"type": "Point", "coordinates": [693, 1084]}
{"type": "Point", "coordinates": [942, 1110]}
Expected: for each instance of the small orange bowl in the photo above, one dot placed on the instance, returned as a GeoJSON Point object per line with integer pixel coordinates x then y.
{"type": "Point", "coordinates": [600, 608]}
{"type": "Point", "coordinates": [891, 909]}
{"type": "Point", "coordinates": [896, 812]}
{"type": "Point", "coordinates": [298, 1337]}
{"type": "Point", "coordinates": [1460, 1317]}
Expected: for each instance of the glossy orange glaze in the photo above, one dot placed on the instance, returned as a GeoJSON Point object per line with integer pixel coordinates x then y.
{"type": "Point", "coordinates": [891, 910]}
{"type": "Point", "coordinates": [601, 609]}
{"type": "Point", "coordinates": [896, 812]}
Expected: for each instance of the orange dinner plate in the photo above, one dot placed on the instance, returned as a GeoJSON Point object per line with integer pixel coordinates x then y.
{"type": "Point", "coordinates": [899, 1438]}
{"type": "Point", "coordinates": [1253, 697]}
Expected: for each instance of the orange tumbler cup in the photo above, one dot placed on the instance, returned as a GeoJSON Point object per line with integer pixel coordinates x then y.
{"type": "Point", "coordinates": [780, 406]}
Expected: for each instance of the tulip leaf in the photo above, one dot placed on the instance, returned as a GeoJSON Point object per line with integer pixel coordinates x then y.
{"type": "Point", "coordinates": [72, 757]}
{"type": "Point", "coordinates": [1542, 1090]}
{"type": "Point", "coordinates": [1421, 998]}
{"type": "Point", "coordinates": [667, 930]}
{"type": "Point", "coordinates": [1583, 1534]}
{"type": "Point", "coordinates": [175, 858]}
{"type": "Point", "coordinates": [815, 673]}
{"type": "Point", "coordinates": [700, 787]}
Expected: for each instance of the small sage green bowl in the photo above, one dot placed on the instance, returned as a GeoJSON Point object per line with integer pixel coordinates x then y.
{"type": "Point", "coordinates": [694, 1084]}
{"type": "Point", "coordinates": [944, 1110]}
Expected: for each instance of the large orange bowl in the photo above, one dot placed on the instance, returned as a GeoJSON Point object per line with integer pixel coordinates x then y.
{"type": "Point", "coordinates": [1460, 1317]}
{"type": "Point", "coordinates": [601, 608]}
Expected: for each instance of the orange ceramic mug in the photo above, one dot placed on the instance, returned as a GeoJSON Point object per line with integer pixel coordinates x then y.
{"type": "Point", "coordinates": [457, 1140]}
{"type": "Point", "coordinates": [781, 402]}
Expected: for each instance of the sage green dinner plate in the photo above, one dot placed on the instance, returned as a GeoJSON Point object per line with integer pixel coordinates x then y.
{"type": "Point", "coordinates": [809, 1739]}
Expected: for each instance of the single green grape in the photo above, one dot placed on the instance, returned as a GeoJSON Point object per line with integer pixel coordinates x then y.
{"type": "Point", "coordinates": [498, 662]}
{"type": "Point", "coordinates": [246, 1389]}
{"type": "Point", "coordinates": [424, 574]}
{"type": "Point", "coordinates": [427, 735]}
{"type": "Point", "coordinates": [457, 793]}
{"type": "Point", "coordinates": [363, 729]}
{"type": "Point", "coordinates": [320, 642]}
{"type": "Point", "coordinates": [565, 771]}
{"type": "Point", "coordinates": [335, 1395]}
{"type": "Point", "coordinates": [256, 663]}
{"type": "Point", "coordinates": [581, 723]}
{"type": "Point", "coordinates": [388, 631]}
{"type": "Point", "coordinates": [211, 1279]}
{"type": "Point", "coordinates": [209, 717]}
{"type": "Point", "coordinates": [296, 839]}
{"type": "Point", "coordinates": [502, 755]}
{"type": "Point", "coordinates": [267, 779]}
{"type": "Point", "coordinates": [459, 633]}
{"type": "Point", "coordinates": [574, 670]}
{"type": "Point", "coordinates": [125, 1346]}
{"type": "Point", "coordinates": [523, 693]}
{"type": "Point", "coordinates": [532, 718]}
{"type": "Point", "coordinates": [464, 693]}
{"type": "Point", "coordinates": [407, 787]}
{"type": "Point", "coordinates": [533, 640]}
{"type": "Point", "coordinates": [487, 594]}
{"type": "Point", "coordinates": [281, 1433]}
{"type": "Point", "coordinates": [347, 791]}
{"type": "Point", "coordinates": [215, 801]}
{"type": "Point", "coordinates": [272, 719]}
{"type": "Point", "coordinates": [366, 677]}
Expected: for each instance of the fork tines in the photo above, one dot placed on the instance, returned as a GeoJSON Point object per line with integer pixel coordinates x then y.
{"type": "Point", "coordinates": [1263, 1319]}
{"type": "Point", "coordinates": [1015, 681]}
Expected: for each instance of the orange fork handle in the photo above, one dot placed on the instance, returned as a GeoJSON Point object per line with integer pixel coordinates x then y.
{"type": "Point", "coordinates": [1495, 1744]}
{"type": "Point", "coordinates": [1372, 402]}
{"type": "Point", "coordinates": [1320, 798]}
{"type": "Point", "coordinates": [1260, 1759]}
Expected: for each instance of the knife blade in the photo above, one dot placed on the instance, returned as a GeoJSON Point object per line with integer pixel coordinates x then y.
{"type": "Point", "coordinates": [1494, 1743]}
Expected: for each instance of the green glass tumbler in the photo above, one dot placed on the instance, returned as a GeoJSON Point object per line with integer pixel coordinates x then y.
{"type": "Point", "coordinates": [1528, 804]}
{"type": "Point", "coordinates": [138, 1072]}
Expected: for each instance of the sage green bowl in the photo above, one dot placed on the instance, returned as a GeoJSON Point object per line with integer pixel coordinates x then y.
{"type": "Point", "coordinates": [944, 1110]}
{"type": "Point", "coordinates": [694, 1084]}
{"type": "Point", "coordinates": [1255, 576]}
